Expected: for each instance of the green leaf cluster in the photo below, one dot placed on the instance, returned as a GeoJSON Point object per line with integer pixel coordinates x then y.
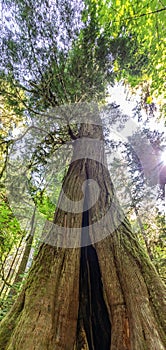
{"type": "Point", "coordinates": [10, 231]}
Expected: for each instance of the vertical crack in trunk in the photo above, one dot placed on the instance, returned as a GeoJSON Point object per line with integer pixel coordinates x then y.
{"type": "Point", "coordinates": [93, 318]}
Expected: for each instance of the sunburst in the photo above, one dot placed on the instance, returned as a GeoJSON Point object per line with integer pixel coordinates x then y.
{"type": "Point", "coordinates": [163, 157]}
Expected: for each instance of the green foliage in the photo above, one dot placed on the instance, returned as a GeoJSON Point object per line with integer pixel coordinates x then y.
{"type": "Point", "coordinates": [11, 111]}
{"type": "Point", "coordinates": [11, 101]}
{"type": "Point", "coordinates": [138, 29]}
{"type": "Point", "coordinates": [5, 306]}
{"type": "Point", "coordinates": [44, 205]}
{"type": "Point", "coordinates": [10, 231]}
{"type": "Point", "coordinates": [159, 246]}
{"type": "Point", "coordinates": [70, 51]}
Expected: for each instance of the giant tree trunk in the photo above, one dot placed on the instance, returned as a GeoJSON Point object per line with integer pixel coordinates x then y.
{"type": "Point", "coordinates": [106, 296]}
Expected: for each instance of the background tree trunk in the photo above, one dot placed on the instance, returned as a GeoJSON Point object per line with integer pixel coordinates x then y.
{"type": "Point", "coordinates": [10, 273]}
{"type": "Point", "coordinates": [22, 267]}
{"type": "Point", "coordinates": [110, 297]}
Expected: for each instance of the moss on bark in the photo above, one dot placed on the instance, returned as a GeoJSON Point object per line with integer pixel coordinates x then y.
{"type": "Point", "coordinates": [46, 314]}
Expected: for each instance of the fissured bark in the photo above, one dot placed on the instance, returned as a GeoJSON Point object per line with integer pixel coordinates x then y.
{"type": "Point", "coordinates": [109, 296]}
